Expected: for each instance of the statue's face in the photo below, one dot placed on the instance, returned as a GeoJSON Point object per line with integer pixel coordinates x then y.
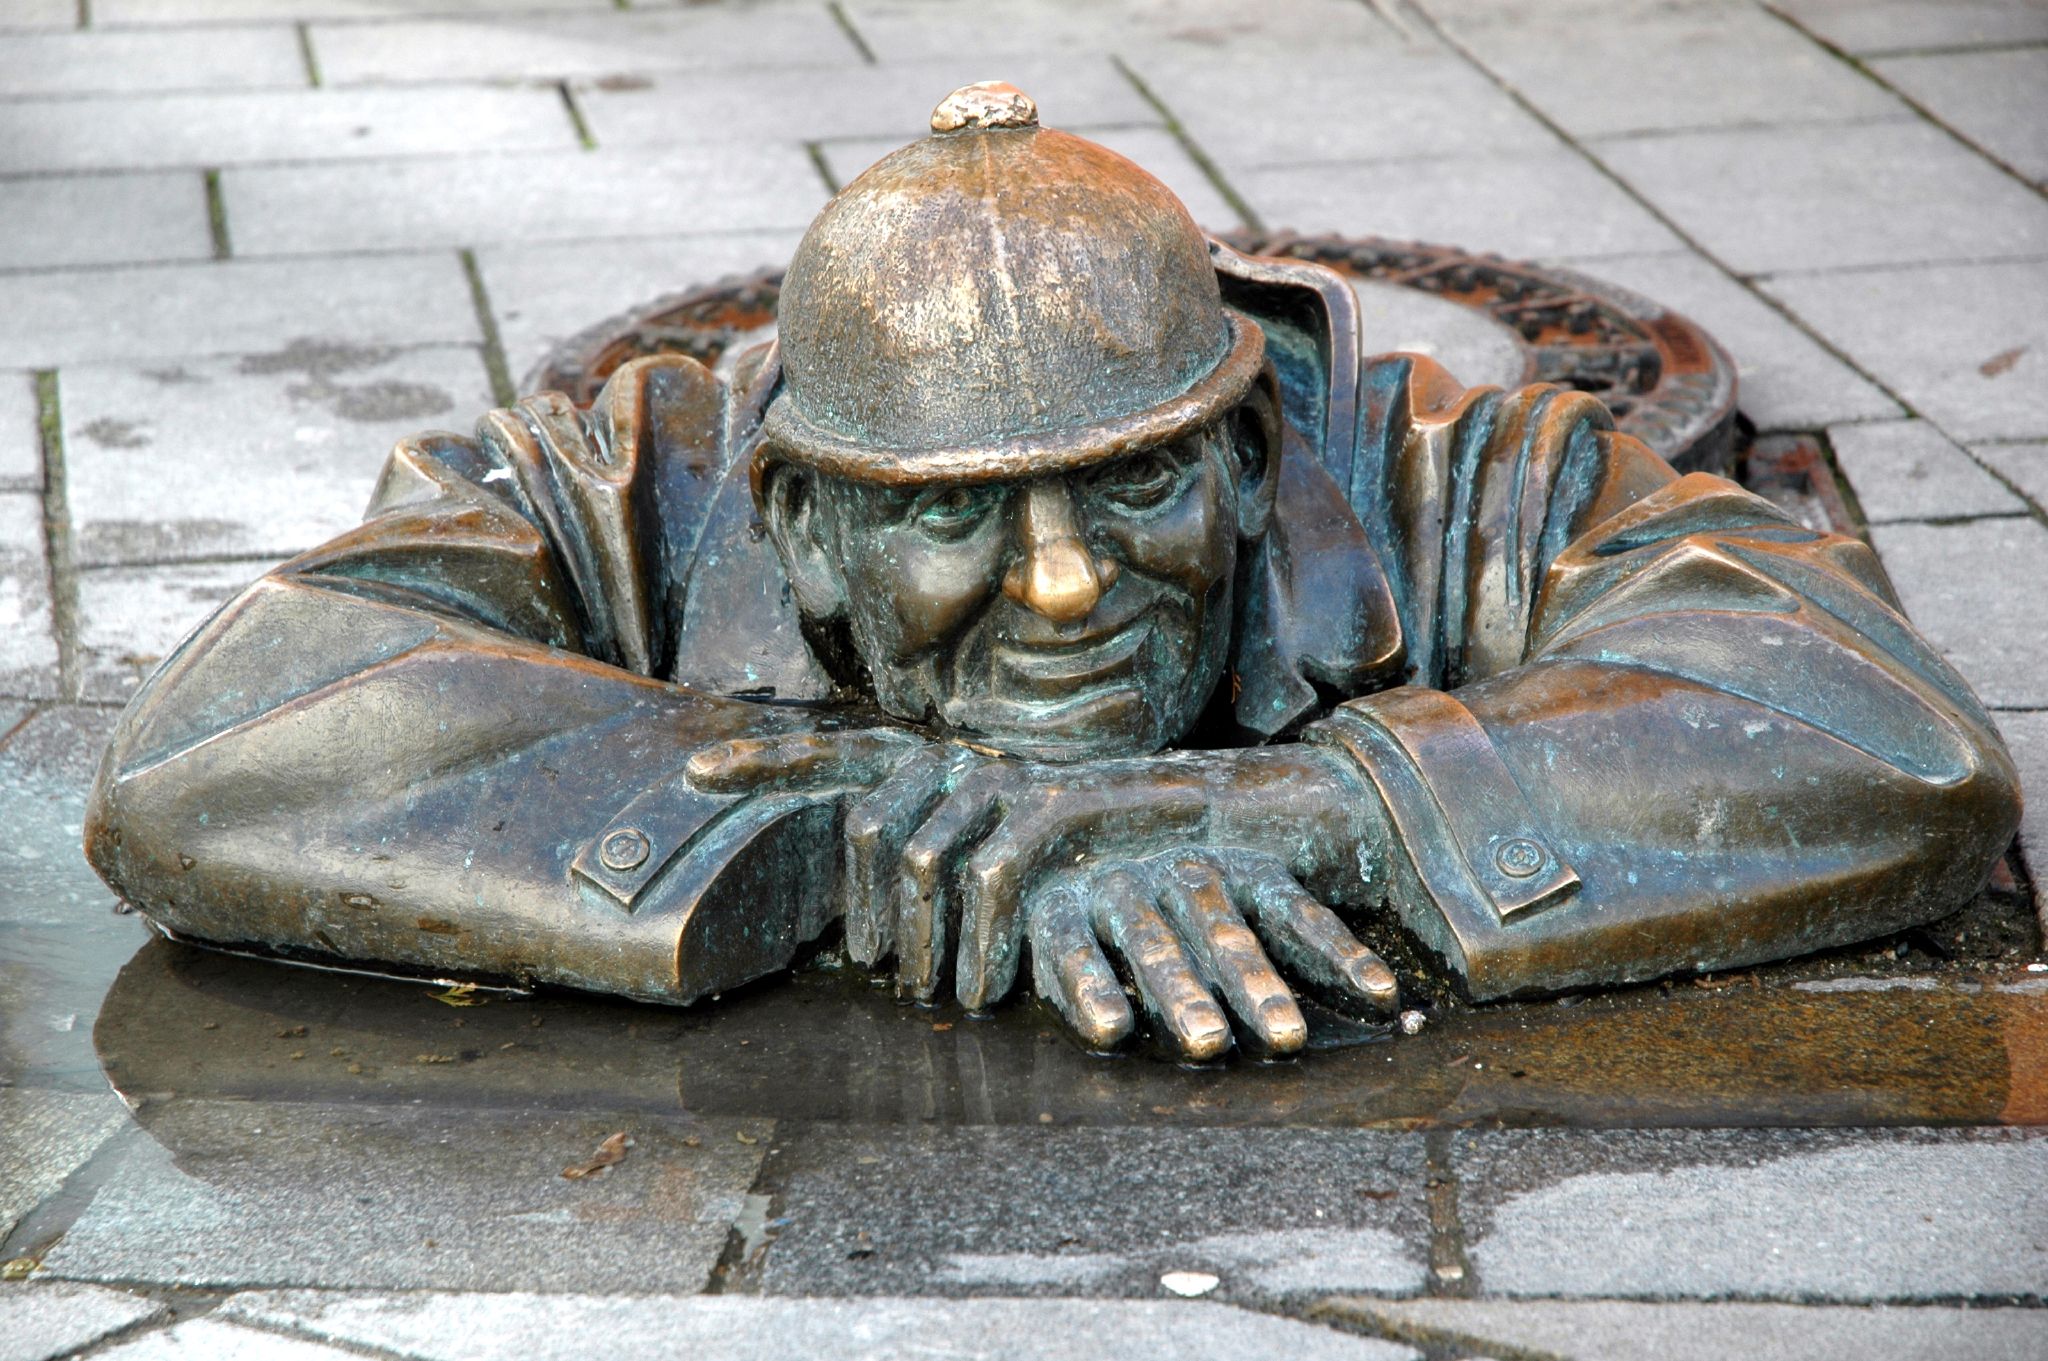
{"type": "Point", "coordinates": [1077, 615]}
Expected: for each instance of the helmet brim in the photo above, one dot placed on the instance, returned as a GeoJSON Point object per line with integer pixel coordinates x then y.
{"type": "Point", "coordinates": [787, 434]}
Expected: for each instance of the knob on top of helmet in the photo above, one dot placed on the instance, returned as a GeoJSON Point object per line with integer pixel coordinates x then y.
{"type": "Point", "coordinates": [998, 300]}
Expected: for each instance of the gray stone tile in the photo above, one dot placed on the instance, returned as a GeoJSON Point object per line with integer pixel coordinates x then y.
{"type": "Point", "coordinates": [581, 46]}
{"type": "Point", "coordinates": [912, 1212]}
{"type": "Point", "coordinates": [2023, 462]}
{"type": "Point", "coordinates": [94, 62]}
{"type": "Point", "coordinates": [575, 196]}
{"type": "Point", "coordinates": [1965, 345]}
{"type": "Point", "coordinates": [1154, 148]}
{"type": "Point", "coordinates": [1528, 205]}
{"type": "Point", "coordinates": [544, 294]}
{"type": "Point", "coordinates": [1889, 25]}
{"type": "Point", "coordinates": [2026, 735]}
{"type": "Point", "coordinates": [1665, 66]}
{"type": "Point", "coordinates": [130, 618]}
{"type": "Point", "coordinates": [1908, 470]}
{"type": "Point", "coordinates": [28, 641]}
{"type": "Point", "coordinates": [21, 435]}
{"type": "Point", "coordinates": [1957, 583]}
{"type": "Point", "coordinates": [1618, 1330]}
{"type": "Point", "coordinates": [265, 454]}
{"type": "Point", "coordinates": [1796, 198]}
{"type": "Point", "coordinates": [1786, 379]}
{"type": "Point", "coordinates": [139, 131]}
{"type": "Point", "coordinates": [811, 104]}
{"type": "Point", "coordinates": [48, 1319]}
{"type": "Point", "coordinates": [48, 1136]}
{"type": "Point", "coordinates": [236, 307]}
{"type": "Point", "coordinates": [114, 219]}
{"type": "Point", "coordinates": [1246, 110]}
{"type": "Point", "coordinates": [412, 1198]}
{"type": "Point", "coordinates": [218, 1341]}
{"type": "Point", "coordinates": [32, 14]}
{"type": "Point", "coordinates": [1784, 1214]}
{"type": "Point", "coordinates": [1999, 100]}
{"type": "Point", "coordinates": [559, 1328]}
{"type": "Point", "coordinates": [134, 13]}
{"type": "Point", "coordinates": [902, 30]}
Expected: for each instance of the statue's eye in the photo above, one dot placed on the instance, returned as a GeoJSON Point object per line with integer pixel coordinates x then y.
{"type": "Point", "coordinates": [1140, 481]}
{"type": "Point", "coordinates": [954, 512]}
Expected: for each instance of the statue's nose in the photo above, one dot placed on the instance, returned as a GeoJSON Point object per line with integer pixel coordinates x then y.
{"type": "Point", "coordinates": [1055, 575]}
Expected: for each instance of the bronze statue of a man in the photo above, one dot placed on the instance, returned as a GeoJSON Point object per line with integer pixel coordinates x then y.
{"type": "Point", "coordinates": [1061, 586]}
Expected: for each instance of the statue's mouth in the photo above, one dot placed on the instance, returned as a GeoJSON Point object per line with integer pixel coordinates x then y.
{"type": "Point", "coordinates": [1057, 672]}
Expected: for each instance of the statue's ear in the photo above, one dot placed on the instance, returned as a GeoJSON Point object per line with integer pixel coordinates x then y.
{"type": "Point", "coordinates": [791, 507]}
{"type": "Point", "coordinates": [1255, 438]}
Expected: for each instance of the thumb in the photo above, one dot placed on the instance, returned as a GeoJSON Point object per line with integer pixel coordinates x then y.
{"type": "Point", "coordinates": [801, 762]}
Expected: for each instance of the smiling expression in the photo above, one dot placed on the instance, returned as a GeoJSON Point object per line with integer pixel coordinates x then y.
{"type": "Point", "coordinates": [1083, 614]}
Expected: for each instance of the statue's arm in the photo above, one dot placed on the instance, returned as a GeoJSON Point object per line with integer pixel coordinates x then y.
{"type": "Point", "coordinates": [1680, 730]}
{"type": "Point", "coordinates": [435, 741]}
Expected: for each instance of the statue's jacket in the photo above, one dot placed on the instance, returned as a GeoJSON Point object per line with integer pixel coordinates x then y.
{"type": "Point", "coordinates": [1624, 722]}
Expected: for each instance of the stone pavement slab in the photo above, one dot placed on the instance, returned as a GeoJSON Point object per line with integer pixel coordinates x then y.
{"type": "Point", "coordinates": [551, 47]}
{"type": "Point", "coordinates": [1986, 96]}
{"type": "Point", "coordinates": [935, 1211]}
{"type": "Point", "coordinates": [1965, 345]}
{"type": "Point", "coordinates": [47, 1319]}
{"type": "Point", "coordinates": [1533, 204]}
{"type": "Point", "coordinates": [1407, 101]}
{"type": "Point", "coordinates": [411, 1198]}
{"type": "Point", "coordinates": [1794, 198]}
{"type": "Point", "coordinates": [235, 128]}
{"type": "Point", "coordinates": [1154, 148]}
{"type": "Point", "coordinates": [549, 196]}
{"type": "Point", "coordinates": [2026, 735]}
{"type": "Point", "coordinates": [1786, 380]}
{"type": "Point", "coordinates": [1664, 67]}
{"type": "Point", "coordinates": [21, 435]}
{"type": "Point", "coordinates": [33, 14]}
{"type": "Point", "coordinates": [104, 220]}
{"type": "Point", "coordinates": [1889, 25]}
{"type": "Point", "coordinates": [810, 104]}
{"type": "Point", "coordinates": [28, 640]}
{"type": "Point", "coordinates": [215, 1340]}
{"type": "Point", "coordinates": [559, 1328]}
{"type": "Point", "coordinates": [236, 307]}
{"type": "Point", "coordinates": [130, 618]}
{"type": "Point", "coordinates": [1773, 1214]}
{"type": "Point", "coordinates": [1908, 470]}
{"type": "Point", "coordinates": [44, 1137]}
{"type": "Point", "coordinates": [2023, 462]}
{"type": "Point", "coordinates": [902, 30]}
{"type": "Point", "coordinates": [1958, 585]}
{"type": "Point", "coordinates": [261, 455]}
{"type": "Point", "coordinates": [1617, 1330]}
{"type": "Point", "coordinates": [544, 294]}
{"type": "Point", "coordinates": [100, 63]}
{"type": "Point", "coordinates": [124, 13]}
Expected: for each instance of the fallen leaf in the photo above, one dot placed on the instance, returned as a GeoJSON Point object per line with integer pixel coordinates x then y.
{"type": "Point", "coordinates": [17, 1268]}
{"type": "Point", "coordinates": [1189, 1284]}
{"type": "Point", "coordinates": [610, 1152]}
{"type": "Point", "coordinates": [692, 1141]}
{"type": "Point", "coordinates": [295, 1032]}
{"type": "Point", "coordinates": [460, 995]}
{"type": "Point", "coordinates": [942, 1025]}
{"type": "Point", "coordinates": [433, 1058]}
{"type": "Point", "coordinates": [1375, 1193]}
{"type": "Point", "coordinates": [745, 1137]}
{"type": "Point", "coordinates": [2002, 361]}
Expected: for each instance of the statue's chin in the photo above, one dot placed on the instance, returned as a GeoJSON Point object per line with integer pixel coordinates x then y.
{"type": "Point", "coordinates": [1107, 722]}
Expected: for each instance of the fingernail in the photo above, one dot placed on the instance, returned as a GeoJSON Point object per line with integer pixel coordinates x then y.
{"type": "Point", "coordinates": [1286, 1029]}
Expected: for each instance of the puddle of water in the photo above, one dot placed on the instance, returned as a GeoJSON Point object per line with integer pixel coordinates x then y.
{"type": "Point", "coordinates": [828, 1045]}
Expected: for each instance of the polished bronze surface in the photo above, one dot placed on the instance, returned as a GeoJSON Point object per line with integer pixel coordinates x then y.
{"type": "Point", "coordinates": [1061, 597]}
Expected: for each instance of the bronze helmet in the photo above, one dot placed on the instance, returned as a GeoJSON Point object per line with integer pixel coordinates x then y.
{"type": "Point", "coordinates": [1000, 300]}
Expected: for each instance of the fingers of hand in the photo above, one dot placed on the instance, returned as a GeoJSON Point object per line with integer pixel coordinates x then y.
{"type": "Point", "coordinates": [1069, 970]}
{"type": "Point", "coordinates": [1310, 942]}
{"type": "Point", "coordinates": [799, 761]}
{"type": "Point", "coordinates": [1197, 899]}
{"type": "Point", "coordinates": [1161, 967]}
{"type": "Point", "coordinates": [992, 881]}
{"type": "Point", "coordinates": [876, 829]}
{"type": "Point", "coordinates": [923, 893]}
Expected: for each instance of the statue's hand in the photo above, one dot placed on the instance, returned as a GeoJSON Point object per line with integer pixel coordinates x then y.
{"type": "Point", "coordinates": [1189, 926]}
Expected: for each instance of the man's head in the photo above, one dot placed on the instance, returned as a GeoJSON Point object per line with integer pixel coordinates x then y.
{"type": "Point", "coordinates": [1021, 442]}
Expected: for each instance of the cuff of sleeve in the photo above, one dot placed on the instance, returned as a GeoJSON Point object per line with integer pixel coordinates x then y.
{"type": "Point", "coordinates": [1480, 858]}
